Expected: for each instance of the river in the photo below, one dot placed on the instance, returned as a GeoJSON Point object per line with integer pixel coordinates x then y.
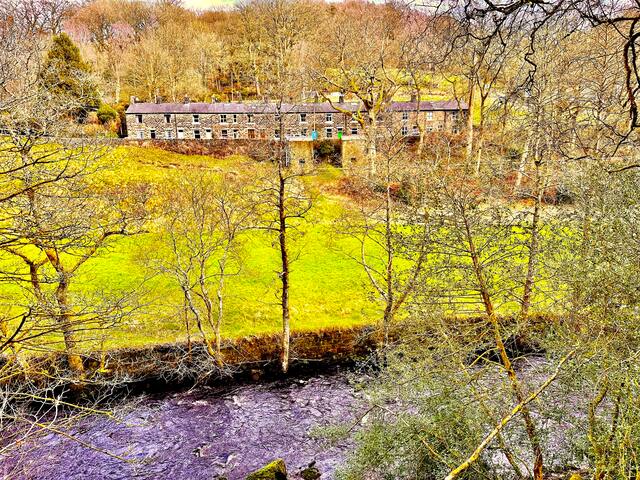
{"type": "Point", "coordinates": [201, 434]}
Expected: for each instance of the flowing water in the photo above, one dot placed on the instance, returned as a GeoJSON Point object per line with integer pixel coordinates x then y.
{"type": "Point", "coordinates": [203, 434]}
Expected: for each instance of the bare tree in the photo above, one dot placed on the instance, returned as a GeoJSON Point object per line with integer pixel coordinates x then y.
{"type": "Point", "coordinates": [203, 219]}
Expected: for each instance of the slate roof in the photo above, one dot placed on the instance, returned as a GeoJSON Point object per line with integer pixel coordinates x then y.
{"type": "Point", "coordinates": [316, 107]}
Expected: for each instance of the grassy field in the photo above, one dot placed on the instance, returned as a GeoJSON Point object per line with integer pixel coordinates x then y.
{"type": "Point", "coordinates": [327, 289]}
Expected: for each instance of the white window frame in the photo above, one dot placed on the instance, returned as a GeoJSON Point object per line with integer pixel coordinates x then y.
{"type": "Point", "coordinates": [404, 131]}
{"type": "Point", "coordinates": [139, 118]}
{"type": "Point", "coordinates": [197, 135]}
{"type": "Point", "coordinates": [223, 118]}
{"type": "Point", "coordinates": [140, 134]}
{"type": "Point", "coordinates": [405, 115]}
{"type": "Point", "coordinates": [354, 130]}
{"type": "Point", "coordinates": [328, 132]}
{"type": "Point", "coordinates": [234, 118]}
{"type": "Point", "coordinates": [429, 115]}
{"type": "Point", "coordinates": [250, 118]}
{"type": "Point", "coordinates": [152, 134]}
{"type": "Point", "coordinates": [224, 133]}
{"type": "Point", "coordinates": [196, 118]}
{"type": "Point", "coordinates": [236, 133]}
{"type": "Point", "coordinates": [167, 118]}
{"type": "Point", "coordinates": [303, 117]}
{"type": "Point", "coordinates": [328, 117]}
{"type": "Point", "coordinates": [208, 134]}
{"type": "Point", "coordinates": [180, 133]}
{"type": "Point", "coordinates": [168, 134]}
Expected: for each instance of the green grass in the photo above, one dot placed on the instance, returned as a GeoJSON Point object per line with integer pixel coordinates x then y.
{"type": "Point", "coordinates": [327, 289]}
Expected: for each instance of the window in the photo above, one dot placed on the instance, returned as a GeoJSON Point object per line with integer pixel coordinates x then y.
{"type": "Point", "coordinates": [196, 134]}
{"type": "Point", "coordinates": [250, 118]}
{"type": "Point", "coordinates": [276, 134]}
{"type": "Point", "coordinates": [152, 134]}
{"type": "Point", "coordinates": [329, 132]}
{"type": "Point", "coordinates": [405, 115]}
{"type": "Point", "coordinates": [139, 118]}
{"type": "Point", "coordinates": [167, 118]}
{"type": "Point", "coordinates": [140, 134]}
{"type": "Point", "coordinates": [429, 115]}
{"type": "Point", "coordinates": [196, 118]}
{"type": "Point", "coordinates": [223, 118]}
{"type": "Point", "coordinates": [235, 118]}
{"type": "Point", "coordinates": [339, 130]}
{"type": "Point", "coordinates": [207, 134]}
{"type": "Point", "coordinates": [180, 133]}
{"type": "Point", "coordinates": [251, 133]}
{"type": "Point", "coordinates": [303, 132]}
{"type": "Point", "coordinates": [303, 118]}
{"type": "Point", "coordinates": [429, 128]}
{"type": "Point", "coordinates": [329, 117]}
{"type": "Point", "coordinates": [405, 130]}
{"type": "Point", "coordinates": [168, 134]}
{"type": "Point", "coordinates": [236, 133]}
{"type": "Point", "coordinates": [224, 133]}
{"type": "Point", "coordinates": [415, 131]}
{"type": "Point", "coordinates": [354, 130]}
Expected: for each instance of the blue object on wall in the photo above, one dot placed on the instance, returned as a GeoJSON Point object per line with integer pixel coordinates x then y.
{"type": "Point", "coordinates": [314, 135]}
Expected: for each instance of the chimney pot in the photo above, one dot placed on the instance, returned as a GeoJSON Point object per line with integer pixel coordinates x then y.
{"type": "Point", "coordinates": [414, 98]}
{"type": "Point", "coordinates": [186, 99]}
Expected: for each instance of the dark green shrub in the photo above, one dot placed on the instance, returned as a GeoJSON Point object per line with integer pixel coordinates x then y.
{"type": "Point", "coordinates": [106, 114]}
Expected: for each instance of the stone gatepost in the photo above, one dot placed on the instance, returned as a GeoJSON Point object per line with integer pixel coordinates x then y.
{"type": "Point", "coordinates": [301, 154]}
{"type": "Point", "coordinates": [354, 150]}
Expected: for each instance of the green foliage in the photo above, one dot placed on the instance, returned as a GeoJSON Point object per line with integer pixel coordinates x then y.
{"type": "Point", "coordinates": [66, 75]}
{"type": "Point", "coordinates": [106, 114]}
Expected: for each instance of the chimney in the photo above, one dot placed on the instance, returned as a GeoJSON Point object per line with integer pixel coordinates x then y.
{"type": "Point", "coordinates": [341, 98]}
{"type": "Point", "coordinates": [414, 98]}
{"type": "Point", "coordinates": [186, 99]}
{"type": "Point", "coordinates": [316, 99]}
{"type": "Point", "coordinates": [133, 99]}
{"type": "Point", "coordinates": [158, 99]}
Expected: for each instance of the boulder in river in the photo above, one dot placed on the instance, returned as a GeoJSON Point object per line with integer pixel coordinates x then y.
{"type": "Point", "coordinates": [310, 473]}
{"type": "Point", "coordinates": [276, 470]}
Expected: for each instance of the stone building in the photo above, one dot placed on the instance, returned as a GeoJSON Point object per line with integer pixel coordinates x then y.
{"type": "Point", "coordinates": [300, 122]}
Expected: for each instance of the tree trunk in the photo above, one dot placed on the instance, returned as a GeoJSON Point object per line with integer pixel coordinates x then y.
{"type": "Point", "coordinates": [65, 321]}
{"type": "Point", "coordinates": [219, 294]}
{"type": "Point", "coordinates": [524, 158]}
{"type": "Point", "coordinates": [480, 136]}
{"type": "Point", "coordinates": [533, 246]}
{"type": "Point", "coordinates": [284, 275]}
{"type": "Point", "coordinates": [388, 311]}
{"type": "Point", "coordinates": [530, 426]}
{"type": "Point", "coordinates": [372, 149]}
{"type": "Point", "coordinates": [469, 150]}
